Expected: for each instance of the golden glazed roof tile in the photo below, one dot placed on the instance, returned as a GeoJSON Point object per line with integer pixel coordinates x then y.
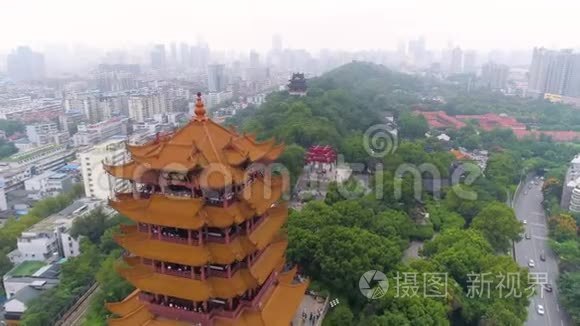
{"type": "Point", "coordinates": [192, 213]}
{"type": "Point", "coordinates": [265, 232]}
{"type": "Point", "coordinates": [201, 143]}
{"type": "Point", "coordinates": [144, 278]}
{"type": "Point", "coordinates": [138, 317]}
{"type": "Point", "coordinates": [139, 244]}
{"type": "Point", "coordinates": [125, 307]}
{"type": "Point", "coordinates": [277, 308]}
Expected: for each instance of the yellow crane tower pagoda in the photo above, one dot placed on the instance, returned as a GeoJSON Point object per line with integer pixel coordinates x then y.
{"type": "Point", "coordinates": [206, 247]}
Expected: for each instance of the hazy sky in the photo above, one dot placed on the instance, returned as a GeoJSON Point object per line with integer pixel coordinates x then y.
{"type": "Point", "coordinates": [310, 24]}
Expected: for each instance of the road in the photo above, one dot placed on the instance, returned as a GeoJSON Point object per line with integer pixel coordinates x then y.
{"type": "Point", "coordinates": [528, 206]}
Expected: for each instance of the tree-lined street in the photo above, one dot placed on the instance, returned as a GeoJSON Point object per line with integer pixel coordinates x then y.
{"type": "Point", "coordinates": [528, 207]}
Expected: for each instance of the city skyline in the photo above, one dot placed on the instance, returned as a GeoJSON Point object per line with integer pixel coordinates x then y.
{"type": "Point", "coordinates": [230, 25]}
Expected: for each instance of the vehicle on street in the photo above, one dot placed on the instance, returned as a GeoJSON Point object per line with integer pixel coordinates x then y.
{"type": "Point", "coordinates": [540, 309]}
{"type": "Point", "coordinates": [548, 287]}
{"type": "Point", "coordinates": [542, 257]}
{"type": "Point", "coordinates": [528, 236]}
{"type": "Point", "coordinates": [525, 221]}
{"type": "Point", "coordinates": [531, 263]}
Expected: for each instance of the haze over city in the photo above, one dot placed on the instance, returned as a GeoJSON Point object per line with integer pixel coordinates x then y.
{"type": "Point", "coordinates": [289, 163]}
{"type": "Point", "coordinates": [312, 25]}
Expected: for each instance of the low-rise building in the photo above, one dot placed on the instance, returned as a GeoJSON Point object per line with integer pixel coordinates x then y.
{"type": "Point", "coordinates": [26, 273]}
{"type": "Point", "coordinates": [22, 166]}
{"type": "Point", "coordinates": [49, 183]}
{"type": "Point", "coordinates": [49, 240]}
{"type": "Point", "coordinates": [95, 133]}
{"type": "Point", "coordinates": [24, 283]}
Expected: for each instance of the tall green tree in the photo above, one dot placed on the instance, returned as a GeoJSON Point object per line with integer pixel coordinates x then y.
{"type": "Point", "coordinates": [499, 225]}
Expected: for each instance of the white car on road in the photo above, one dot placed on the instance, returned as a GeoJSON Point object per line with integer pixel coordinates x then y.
{"type": "Point", "coordinates": [531, 263]}
{"type": "Point", "coordinates": [540, 309]}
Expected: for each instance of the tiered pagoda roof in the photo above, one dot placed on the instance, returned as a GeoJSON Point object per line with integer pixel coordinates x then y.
{"type": "Point", "coordinates": [297, 84]}
{"type": "Point", "coordinates": [216, 255]}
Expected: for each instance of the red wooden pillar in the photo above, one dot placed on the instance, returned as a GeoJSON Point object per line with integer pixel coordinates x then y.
{"type": "Point", "coordinates": [189, 240]}
{"type": "Point", "coordinates": [229, 270]}
{"type": "Point", "coordinates": [200, 237]}
{"type": "Point", "coordinates": [163, 267]}
{"type": "Point", "coordinates": [202, 273]}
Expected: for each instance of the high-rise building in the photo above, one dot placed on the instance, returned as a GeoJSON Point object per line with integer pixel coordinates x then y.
{"type": "Point", "coordinates": [116, 77]}
{"type": "Point", "coordinates": [494, 76]}
{"type": "Point", "coordinates": [85, 102]}
{"type": "Point", "coordinates": [184, 56]}
{"type": "Point", "coordinates": [470, 62]}
{"type": "Point", "coordinates": [96, 181]}
{"type": "Point", "coordinates": [276, 43]}
{"type": "Point", "coordinates": [41, 134]}
{"type": "Point", "coordinates": [158, 58]}
{"type": "Point", "coordinates": [254, 59]}
{"type": "Point", "coordinates": [456, 66]}
{"type": "Point", "coordinates": [554, 72]}
{"type": "Point", "coordinates": [216, 78]}
{"type": "Point", "coordinates": [207, 247]}
{"type": "Point", "coordinates": [199, 56]}
{"type": "Point", "coordinates": [145, 106]}
{"type": "Point", "coordinates": [91, 134]}
{"type": "Point", "coordinates": [417, 51]}
{"type": "Point", "coordinates": [173, 54]}
{"type": "Point", "coordinates": [24, 64]}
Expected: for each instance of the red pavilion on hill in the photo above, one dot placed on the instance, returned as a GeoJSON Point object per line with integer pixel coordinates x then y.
{"type": "Point", "coordinates": [207, 246]}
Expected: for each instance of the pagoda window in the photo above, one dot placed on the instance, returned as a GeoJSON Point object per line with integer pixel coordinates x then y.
{"type": "Point", "coordinates": [171, 234]}
{"type": "Point", "coordinates": [179, 191]}
{"type": "Point", "coordinates": [173, 269]}
{"type": "Point", "coordinates": [218, 270]}
{"type": "Point", "coordinates": [216, 303]}
{"type": "Point", "coordinates": [215, 234]}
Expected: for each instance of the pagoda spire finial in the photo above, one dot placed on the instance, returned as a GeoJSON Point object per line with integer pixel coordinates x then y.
{"type": "Point", "coordinates": [199, 109]}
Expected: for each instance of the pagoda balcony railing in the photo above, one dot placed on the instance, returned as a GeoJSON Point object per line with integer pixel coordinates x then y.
{"type": "Point", "coordinates": [256, 299]}
{"type": "Point", "coordinates": [173, 239]}
{"type": "Point", "coordinates": [208, 237]}
{"type": "Point", "coordinates": [205, 318]}
{"type": "Point", "coordinates": [180, 314]}
{"type": "Point", "coordinates": [178, 273]}
{"type": "Point", "coordinates": [191, 314]}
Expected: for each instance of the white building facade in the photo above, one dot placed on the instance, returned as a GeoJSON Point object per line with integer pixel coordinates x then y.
{"type": "Point", "coordinates": [97, 183]}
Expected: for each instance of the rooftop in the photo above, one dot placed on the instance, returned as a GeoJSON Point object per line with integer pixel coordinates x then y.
{"type": "Point", "coordinates": [27, 268]}
{"type": "Point", "coordinates": [112, 143]}
{"type": "Point", "coordinates": [33, 152]}
{"type": "Point", "coordinates": [63, 217]}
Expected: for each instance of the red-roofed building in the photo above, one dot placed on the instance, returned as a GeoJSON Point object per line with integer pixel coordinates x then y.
{"type": "Point", "coordinates": [490, 121]}
{"type": "Point", "coordinates": [559, 136]}
{"type": "Point", "coordinates": [440, 120]}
